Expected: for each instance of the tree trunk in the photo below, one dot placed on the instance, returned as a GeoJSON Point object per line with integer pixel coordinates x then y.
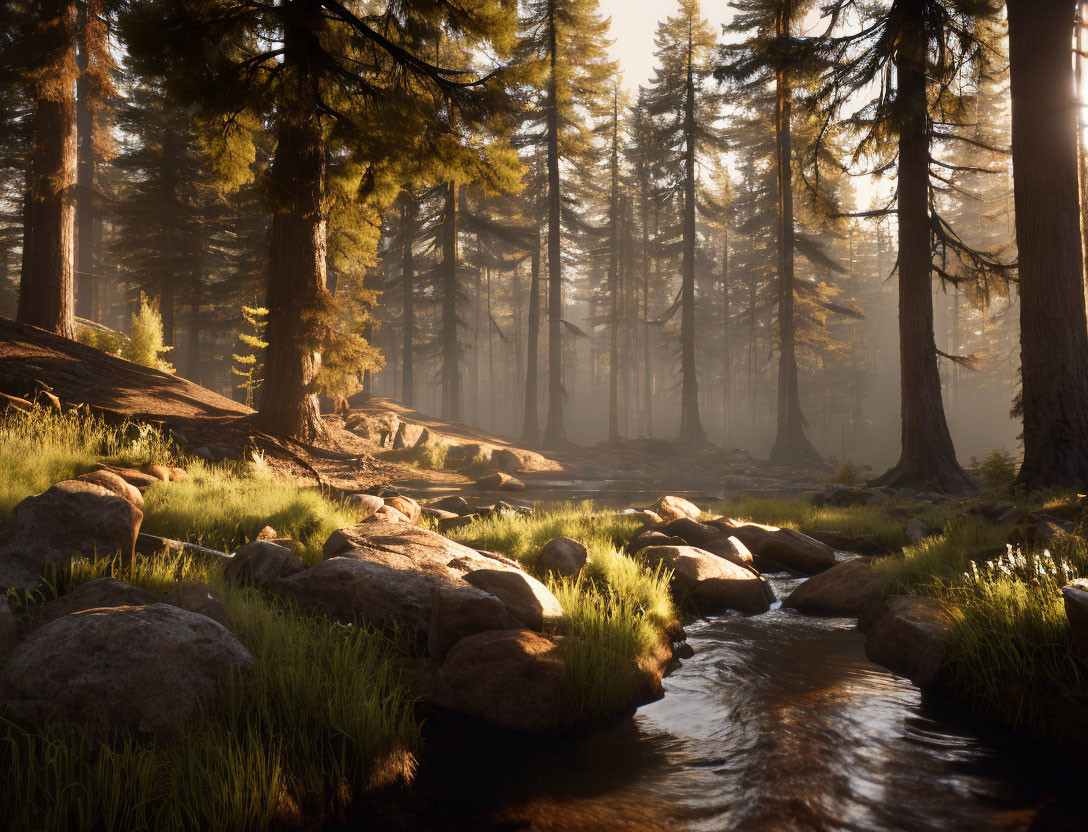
{"type": "Point", "coordinates": [927, 458]}
{"type": "Point", "coordinates": [530, 431]}
{"type": "Point", "coordinates": [451, 375]}
{"type": "Point", "coordinates": [297, 293]}
{"type": "Point", "coordinates": [46, 288]}
{"type": "Point", "coordinates": [85, 270]}
{"type": "Point", "coordinates": [791, 445]}
{"type": "Point", "coordinates": [194, 362]}
{"type": "Point", "coordinates": [613, 282]}
{"type": "Point", "coordinates": [727, 357]}
{"type": "Point", "coordinates": [407, 277]}
{"type": "Point", "coordinates": [554, 431]}
{"type": "Point", "coordinates": [691, 428]}
{"type": "Point", "coordinates": [1053, 339]}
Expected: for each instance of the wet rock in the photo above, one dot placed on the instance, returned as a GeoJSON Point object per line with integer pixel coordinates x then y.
{"type": "Point", "coordinates": [730, 548]}
{"type": "Point", "coordinates": [260, 563]}
{"type": "Point", "coordinates": [102, 593]}
{"type": "Point", "coordinates": [528, 600]}
{"type": "Point", "coordinates": [368, 504]}
{"type": "Point", "coordinates": [500, 481]}
{"type": "Point", "coordinates": [787, 548]}
{"type": "Point", "coordinates": [711, 582]}
{"type": "Point", "coordinates": [1075, 597]}
{"type": "Point", "coordinates": [563, 556]}
{"type": "Point", "coordinates": [71, 518]}
{"type": "Point", "coordinates": [505, 460]}
{"type": "Point", "coordinates": [112, 482]}
{"type": "Point", "coordinates": [840, 591]}
{"type": "Point", "coordinates": [454, 503]}
{"type": "Point", "coordinates": [406, 506]}
{"type": "Point", "coordinates": [670, 508]}
{"type": "Point", "coordinates": [514, 679]}
{"type": "Point", "coordinates": [461, 611]}
{"type": "Point", "coordinates": [142, 668]}
{"type": "Point", "coordinates": [908, 638]}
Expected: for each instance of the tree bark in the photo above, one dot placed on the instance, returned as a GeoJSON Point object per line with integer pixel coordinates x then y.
{"type": "Point", "coordinates": [530, 431]}
{"type": "Point", "coordinates": [554, 430]}
{"type": "Point", "coordinates": [927, 458]}
{"type": "Point", "coordinates": [791, 445]}
{"type": "Point", "coordinates": [451, 375]}
{"type": "Point", "coordinates": [613, 282]}
{"type": "Point", "coordinates": [297, 293]}
{"type": "Point", "coordinates": [46, 288]}
{"type": "Point", "coordinates": [691, 428]}
{"type": "Point", "coordinates": [727, 356]}
{"type": "Point", "coordinates": [1053, 338]}
{"type": "Point", "coordinates": [86, 279]}
{"type": "Point", "coordinates": [407, 277]}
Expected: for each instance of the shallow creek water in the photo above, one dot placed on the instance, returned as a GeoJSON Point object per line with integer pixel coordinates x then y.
{"type": "Point", "coordinates": [778, 722]}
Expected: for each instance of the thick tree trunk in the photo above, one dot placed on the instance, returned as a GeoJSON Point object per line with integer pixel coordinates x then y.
{"type": "Point", "coordinates": [927, 458]}
{"type": "Point", "coordinates": [791, 445]}
{"type": "Point", "coordinates": [86, 279]}
{"type": "Point", "coordinates": [407, 277]}
{"type": "Point", "coordinates": [46, 288]}
{"type": "Point", "coordinates": [554, 430]}
{"type": "Point", "coordinates": [297, 294]}
{"type": "Point", "coordinates": [530, 431]}
{"type": "Point", "coordinates": [691, 428]}
{"type": "Point", "coordinates": [1053, 339]}
{"type": "Point", "coordinates": [451, 349]}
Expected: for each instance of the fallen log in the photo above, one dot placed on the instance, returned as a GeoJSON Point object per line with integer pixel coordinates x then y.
{"type": "Point", "coordinates": [152, 544]}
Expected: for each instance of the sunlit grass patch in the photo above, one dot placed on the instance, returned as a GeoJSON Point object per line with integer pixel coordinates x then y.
{"type": "Point", "coordinates": [431, 455]}
{"type": "Point", "coordinates": [319, 718]}
{"type": "Point", "coordinates": [222, 507]}
{"type": "Point", "coordinates": [801, 515]}
{"type": "Point", "coordinates": [935, 561]}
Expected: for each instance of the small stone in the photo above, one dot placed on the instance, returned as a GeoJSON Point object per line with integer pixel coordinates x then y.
{"type": "Point", "coordinates": [261, 562]}
{"type": "Point", "coordinates": [563, 556]}
{"type": "Point", "coordinates": [267, 533]}
{"type": "Point", "coordinates": [500, 482]}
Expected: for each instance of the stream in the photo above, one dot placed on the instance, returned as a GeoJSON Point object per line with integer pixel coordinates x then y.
{"type": "Point", "coordinates": [778, 722]}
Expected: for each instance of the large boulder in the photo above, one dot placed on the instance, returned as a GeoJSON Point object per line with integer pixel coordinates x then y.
{"type": "Point", "coordinates": [1075, 597]}
{"type": "Point", "coordinates": [515, 679]}
{"type": "Point", "coordinates": [408, 435]}
{"type": "Point", "coordinates": [670, 508]}
{"type": "Point", "coordinates": [145, 668]}
{"type": "Point", "coordinates": [691, 531]}
{"type": "Point", "coordinates": [100, 594]}
{"type": "Point", "coordinates": [527, 599]}
{"type": "Point", "coordinates": [787, 548]}
{"type": "Point", "coordinates": [652, 537]}
{"type": "Point", "coordinates": [260, 563]}
{"type": "Point", "coordinates": [712, 583]}
{"type": "Point", "coordinates": [9, 626]}
{"type": "Point", "coordinates": [500, 482]}
{"type": "Point", "coordinates": [387, 514]}
{"type": "Point", "coordinates": [405, 547]}
{"type": "Point", "coordinates": [461, 611]}
{"type": "Point", "coordinates": [453, 503]}
{"type": "Point", "coordinates": [908, 637]}
{"type": "Point", "coordinates": [563, 556]}
{"type": "Point", "coordinates": [71, 518]}
{"type": "Point", "coordinates": [505, 460]}
{"type": "Point", "coordinates": [842, 590]}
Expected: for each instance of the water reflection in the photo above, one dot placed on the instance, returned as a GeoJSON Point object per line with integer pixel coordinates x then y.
{"type": "Point", "coordinates": [777, 723]}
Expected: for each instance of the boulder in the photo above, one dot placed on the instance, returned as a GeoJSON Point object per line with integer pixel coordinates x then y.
{"type": "Point", "coordinates": [453, 503]}
{"type": "Point", "coordinates": [528, 600]}
{"type": "Point", "coordinates": [840, 591]}
{"type": "Point", "coordinates": [563, 556]}
{"type": "Point", "coordinates": [860, 545]}
{"type": "Point", "coordinates": [159, 472]}
{"type": "Point", "coordinates": [9, 626]}
{"type": "Point", "coordinates": [137, 479]}
{"type": "Point", "coordinates": [261, 562]}
{"type": "Point", "coordinates": [406, 506]}
{"type": "Point", "coordinates": [505, 460]}
{"type": "Point", "coordinates": [1075, 597]}
{"type": "Point", "coordinates": [387, 514]}
{"type": "Point", "coordinates": [644, 516]}
{"type": "Point", "coordinates": [712, 583]}
{"type": "Point", "coordinates": [437, 514]}
{"type": "Point", "coordinates": [500, 482]}
{"type": "Point", "coordinates": [844, 496]}
{"type": "Point", "coordinates": [145, 668]}
{"type": "Point", "coordinates": [514, 679]}
{"type": "Point", "coordinates": [378, 427]}
{"type": "Point", "coordinates": [407, 435]}
{"type": "Point", "coordinates": [653, 537]}
{"type": "Point", "coordinates": [405, 547]}
{"type": "Point", "coordinates": [267, 533]}
{"type": "Point", "coordinates": [449, 524]}
{"type": "Point", "coordinates": [464, 453]}
{"type": "Point", "coordinates": [915, 531]}
{"type": "Point", "coordinates": [670, 508]}
{"type": "Point", "coordinates": [197, 597]}
{"type": "Point", "coordinates": [908, 638]}
{"type": "Point", "coordinates": [103, 593]}
{"type": "Point", "coordinates": [730, 548]}
{"type": "Point", "coordinates": [71, 518]}
{"type": "Point", "coordinates": [347, 589]}
{"type": "Point", "coordinates": [461, 611]}
{"type": "Point", "coordinates": [788, 548]}
{"type": "Point", "coordinates": [1040, 530]}
{"type": "Point", "coordinates": [691, 531]}
{"type": "Point", "coordinates": [112, 482]}
{"type": "Point", "coordinates": [368, 504]}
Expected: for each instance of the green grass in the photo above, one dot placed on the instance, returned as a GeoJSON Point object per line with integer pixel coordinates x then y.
{"type": "Point", "coordinates": [42, 447]}
{"type": "Point", "coordinates": [614, 611]}
{"type": "Point", "coordinates": [803, 516]}
{"type": "Point", "coordinates": [320, 718]}
{"type": "Point", "coordinates": [430, 455]}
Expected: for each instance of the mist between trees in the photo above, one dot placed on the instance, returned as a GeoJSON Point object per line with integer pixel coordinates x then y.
{"type": "Point", "coordinates": [469, 213]}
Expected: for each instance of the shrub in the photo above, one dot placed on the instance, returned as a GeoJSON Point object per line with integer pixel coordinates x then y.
{"type": "Point", "coordinates": [996, 473]}
{"type": "Point", "coordinates": [847, 474]}
{"type": "Point", "coordinates": [145, 341]}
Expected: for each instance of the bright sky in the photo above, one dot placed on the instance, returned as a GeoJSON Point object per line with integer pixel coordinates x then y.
{"type": "Point", "coordinates": [634, 23]}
